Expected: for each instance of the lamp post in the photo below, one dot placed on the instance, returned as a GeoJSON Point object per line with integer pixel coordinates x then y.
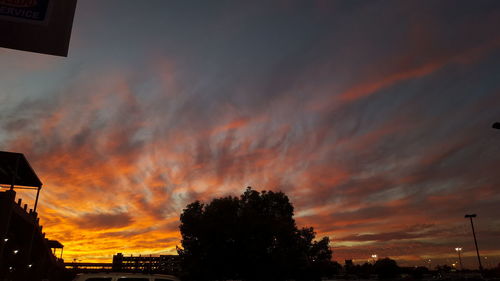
{"type": "Point", "coordinates": [475, 240]}
{"type": "Point", "coordinates": [374, 257]}
{"type": "Point", "coordinates": [458, 249]}
{"type": "Point", "coordinates": [487, 264]}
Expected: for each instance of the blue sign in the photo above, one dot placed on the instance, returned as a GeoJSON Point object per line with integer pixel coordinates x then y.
{"type": "Point", "coordinates": [30, 10]}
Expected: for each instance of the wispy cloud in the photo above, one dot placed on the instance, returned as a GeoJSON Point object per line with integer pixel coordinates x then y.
{"type": "Point", "coordinates": [382, 145]}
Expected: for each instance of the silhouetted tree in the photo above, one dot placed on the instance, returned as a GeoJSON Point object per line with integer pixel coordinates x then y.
{"type": "Point", "coordinates": [253, 237]}
{"type": "Point", "coordinates": [318, 256]}
{"type": "Point", "coordinates": [386, 268]}
{"type": "Point", "coordinates": [366, 270]}
{"type": "Point", "coordinates": [361, 271]}
{"type": "Point", "coordinates": [419, 272]}
{"type": "Point", "coordinates": [443, 268]}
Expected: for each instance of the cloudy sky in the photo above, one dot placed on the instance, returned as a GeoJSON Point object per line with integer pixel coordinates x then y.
{"type": "Point", "coordinates": [374, 117]}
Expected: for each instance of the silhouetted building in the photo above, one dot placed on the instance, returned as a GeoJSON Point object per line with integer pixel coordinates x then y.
{"type": "Point", "coordinates": [168, 264]}
{"type": "Point", "coordinates": [25, 253]}
{"type": "Point", "coordinates": [88, 267]}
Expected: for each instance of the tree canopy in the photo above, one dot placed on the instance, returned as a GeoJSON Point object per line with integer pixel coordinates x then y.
{"type": "Point", "coordinates": [251, 237]}
{"type": "Point", "coordinates": [386, 268]}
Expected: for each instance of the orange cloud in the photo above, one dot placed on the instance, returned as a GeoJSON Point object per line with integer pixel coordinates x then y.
{"type": "Point", "coordinates": [121, 153]}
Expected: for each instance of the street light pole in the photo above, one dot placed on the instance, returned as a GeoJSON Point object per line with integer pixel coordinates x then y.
{"type": "Point", "coordinates": [459, 257]}
{"type": "Point", "coordinates": [475, 240]}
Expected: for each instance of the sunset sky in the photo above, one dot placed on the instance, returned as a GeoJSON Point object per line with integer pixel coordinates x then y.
{"type": "Point", "coordinates": [374, 117]}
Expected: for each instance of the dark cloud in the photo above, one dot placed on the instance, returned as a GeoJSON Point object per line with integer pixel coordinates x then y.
{"type": "Point", "coordinates": [375, 124]}
{"type": "Point", "coordinates": [104, 220]}
{"type": "Point", "coordinates": [414, 232]}
{"type": "Point", "coordinates": [125, 234]}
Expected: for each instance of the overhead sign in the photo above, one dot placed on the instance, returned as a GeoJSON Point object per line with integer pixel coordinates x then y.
{"type": "Point", "coordinates": [42, 26]}
{"type": "Point", "coordinates": [24, 10]}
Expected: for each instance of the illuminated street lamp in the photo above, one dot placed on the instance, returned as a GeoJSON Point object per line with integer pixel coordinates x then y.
{"type": "Point", "coordinates": [475, 241]}
{"type": "Point", "coordinates": [429, 261]}
{"type": "Point", "coordinates": [458, 249]}
{"type": "Point", "coordinates": [486, 262]}
{"type": "Point", "coordinates": [374, 257]}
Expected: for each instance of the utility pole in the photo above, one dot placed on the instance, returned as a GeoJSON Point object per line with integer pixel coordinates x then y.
{"type": "Point", "coordinates": [475, 240]}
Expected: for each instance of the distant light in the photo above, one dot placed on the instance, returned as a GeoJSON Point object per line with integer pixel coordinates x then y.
{"type": "Point", "coordinates": [458, 249]}
{"type": "Point", "coordinates": [374, 256]}
{"type": "Point", "coordinates": [11, 268]}
{"type": "Point", "coordinates": [6, 239]}
{"type": "Point", "coordinates": [30, 265]}
{"type": "Point", "coordinates": [16, 251]}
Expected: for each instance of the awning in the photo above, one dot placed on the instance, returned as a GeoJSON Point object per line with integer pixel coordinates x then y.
{"type": "Point", "coordinates": [54, 244]}
{"type": "Point", "coordinates": [15, 169]}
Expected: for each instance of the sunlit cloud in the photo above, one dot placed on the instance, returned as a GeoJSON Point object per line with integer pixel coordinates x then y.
{"type": "Point", "coordinates": [381, 145]}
